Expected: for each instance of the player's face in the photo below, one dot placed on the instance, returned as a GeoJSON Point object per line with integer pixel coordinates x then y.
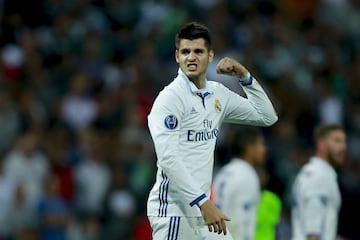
{"type": "Point", "coordinates": [259, 151]}
{"type": "Point", "coordinates": [336, 147]}
{"type": "Point", "coordinates": [193, 57]}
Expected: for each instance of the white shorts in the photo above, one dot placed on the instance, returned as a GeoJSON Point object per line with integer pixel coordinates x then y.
{"type": "Point", "coordinates": [183, 228]}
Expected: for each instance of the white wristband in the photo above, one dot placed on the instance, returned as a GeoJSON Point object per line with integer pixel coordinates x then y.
{"type": "Point", "coordinates": [202, 201]}
{"type": "Point", "coordinates": [247, 80]}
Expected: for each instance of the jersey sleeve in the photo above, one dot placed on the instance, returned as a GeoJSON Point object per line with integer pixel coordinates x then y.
{"type": "Point", "coordinates": [164, 123]}
{"type": "Point", "coordinates": [256, 109]}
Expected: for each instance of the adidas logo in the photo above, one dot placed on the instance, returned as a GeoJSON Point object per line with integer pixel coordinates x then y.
{"type": "Point", "coordinates": [193, 111]}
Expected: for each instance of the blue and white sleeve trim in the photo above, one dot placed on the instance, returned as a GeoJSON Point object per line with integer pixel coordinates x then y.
{"type": "Point", "coordinates": [247, 80]}
{"type": "Point", "coordinates": [199, 200]}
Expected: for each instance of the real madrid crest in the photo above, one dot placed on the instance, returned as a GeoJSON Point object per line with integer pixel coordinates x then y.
{"type": "Point", "coordinates": [217, 105]}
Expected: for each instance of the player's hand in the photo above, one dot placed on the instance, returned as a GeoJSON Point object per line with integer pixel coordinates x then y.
{"type": "Point", "coordinates": [229, 66]}
{"type": "Point", "coordinates": [213, 217]}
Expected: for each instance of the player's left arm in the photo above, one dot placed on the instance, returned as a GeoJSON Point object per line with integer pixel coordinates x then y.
{"type": "Point", "coordinates": [257, 108]}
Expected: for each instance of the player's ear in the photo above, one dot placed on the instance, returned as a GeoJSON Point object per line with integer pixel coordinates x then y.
{"type": "Point", "coordinates": [177, 55]}
{"type": "Point", "coordinates": [211, 55]}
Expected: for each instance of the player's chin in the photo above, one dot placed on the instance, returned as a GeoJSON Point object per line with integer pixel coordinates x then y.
{"type": "Point", "coordinates": [341, 155]}
{"type": "Point", "coordinates": [340, 159]}
{"type": "Point", "coordinates": [192, 74]}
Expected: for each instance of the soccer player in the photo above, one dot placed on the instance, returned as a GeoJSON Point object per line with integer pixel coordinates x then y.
{"type": "Point", "coordinates": [184, 124]}
{"type": "Point", "coordinates": [237, 185]}
{"type": "Point", "coordinates": [316, 193]}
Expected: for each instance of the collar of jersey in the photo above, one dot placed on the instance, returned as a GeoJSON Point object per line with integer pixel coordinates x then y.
{"type": "Point", "coordinates": [324, 163]}
{"type": "Point", "coordinates": [192, 86]}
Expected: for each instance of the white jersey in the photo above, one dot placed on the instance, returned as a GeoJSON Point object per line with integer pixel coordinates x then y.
{"type": "Point", "coordinates": [316, 201]}
{"type": "Point", "coordinates": [184, 124]}
{"type": "Point", "coordinates": [237, 194]}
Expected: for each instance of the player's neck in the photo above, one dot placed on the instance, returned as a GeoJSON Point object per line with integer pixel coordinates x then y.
{"type": "Point", "coordinates": [199, 82]}
{"type": "Point", "coordinates": [249, 160]}
{"type": "Point", "coordinates": [322, 156]}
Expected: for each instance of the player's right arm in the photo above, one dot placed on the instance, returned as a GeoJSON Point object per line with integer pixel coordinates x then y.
{"type": "Point", "coordinates": [164, 122]}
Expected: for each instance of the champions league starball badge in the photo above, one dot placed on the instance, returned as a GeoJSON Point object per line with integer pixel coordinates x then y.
{"type": "Point", "coordinates": [171, 122]}
{"type": "Point", "coordinates": [217, 105]}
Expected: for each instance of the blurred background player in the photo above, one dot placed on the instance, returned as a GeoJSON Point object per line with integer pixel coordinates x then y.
{"type": "Point", "coordinates": [237, 185]}
{"type": "Point", "coordinates": [316, 192]}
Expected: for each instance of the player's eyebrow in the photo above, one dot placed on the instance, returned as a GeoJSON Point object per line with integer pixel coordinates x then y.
{"type": "Point", "coordinates": [196, 50]}
{"type": "Point", "coordinates": [199, 50]}
{"type": "Point", "coordinates": [184, 50]}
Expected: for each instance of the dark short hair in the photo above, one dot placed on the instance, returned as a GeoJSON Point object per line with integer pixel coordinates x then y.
{"type": "Point", "coordinates": [244, 137]}
{"type": "Point", "coordinates": [191, 31]}
{"type": "Point", "coordinates": [323, 130]}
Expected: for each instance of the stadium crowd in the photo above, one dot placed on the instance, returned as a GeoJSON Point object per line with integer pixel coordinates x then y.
{"type": "Point", "coordinates": [78, 78]}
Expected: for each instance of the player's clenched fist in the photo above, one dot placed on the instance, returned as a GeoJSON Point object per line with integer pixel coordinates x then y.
{"type": "Point", "coordinates": [214, 218]}
{"type": "Point", "coordinates": [231, 67]}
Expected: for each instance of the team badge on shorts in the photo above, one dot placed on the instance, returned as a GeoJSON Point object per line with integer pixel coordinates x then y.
{"type": "Point", "coordinates": [217, 105]}
{"type": "Point", "coordinates": [171, 122]}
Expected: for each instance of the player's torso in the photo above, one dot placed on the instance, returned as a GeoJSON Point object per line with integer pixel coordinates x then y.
{"type": "Point", "coordinates": [201, 120]}
{"type": "Point", "coordinates": [327, 181]}
{"type": "Point", "coordinates": [228, 188]}
{"type": "Point", "coordinates": [331, 199]}
{"type": "Point", "coordinates": [235, 200]}
{"type": "Point", "coordinates": [199, 126]}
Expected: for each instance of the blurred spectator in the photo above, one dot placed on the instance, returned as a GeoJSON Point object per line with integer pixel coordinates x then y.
{"type": "Point", "coordinates": [92, 177]}
{"type": "Point", "coordinates": [89, 228]}
{"type": "Point", "coordinates": [120, 207]}
{"type": "Point", "coordinates": [330, 106]}
{"type": "Point", "coordinates": [58, 145]}
{"type": "Point", "coordinates": [27, 165]}
{"type": "Point", "coordinates": [92, 228]}
{"type": "Point", "coordinates": [19, 215]}
{"type": "Point", "coordinates": [12, 62]}
{"type": "Point", "coordinates": [9, 117]}
{"type": "Point", "coordinates": [53, 212]}
{"type": "Point", "coordinates": [78, 108]}
{"type": "Point", "coordinates": [92, 61]}
{"type": "Point", "coordinates": [28, 234]}
{"type": "Point", "coordinates": [7, 186]}
{"type": "Point", "coordinates": [32, 112]}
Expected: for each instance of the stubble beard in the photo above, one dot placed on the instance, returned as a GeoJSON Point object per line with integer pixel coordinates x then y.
{"type": "Point", "coordinates": [334, 159]}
